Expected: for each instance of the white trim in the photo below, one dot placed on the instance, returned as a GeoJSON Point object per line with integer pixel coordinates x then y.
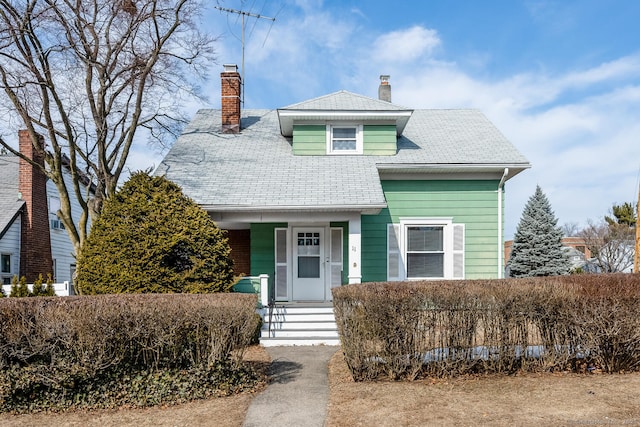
{"type": "Point", "coordinates": [339, 262]}
{"type": "Point", "coordinates": [358, 139]}
{"type": "Point", "coordinates": [355, 249]}
{"type": "Point", "coordinates": [279, 265]}
{"type": "Point", "coordinates": [449, 248]}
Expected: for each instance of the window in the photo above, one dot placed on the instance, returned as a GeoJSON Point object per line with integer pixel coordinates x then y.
{"type": "Point", "coordinates": [344, 139]}
{"type": "Point", "coordinates": [5, 268]}
{"type": "Point", "coordinates": [425, 251]}
{"type": "Point", "coordinates": [425, 248]}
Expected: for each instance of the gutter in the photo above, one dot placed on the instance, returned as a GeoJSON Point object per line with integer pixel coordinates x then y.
{"type": "Point", "coordinates": [500, 192]}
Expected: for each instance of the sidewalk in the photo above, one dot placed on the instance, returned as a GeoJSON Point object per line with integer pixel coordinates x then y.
{"type": "Point", "coordinates": [298, 389]}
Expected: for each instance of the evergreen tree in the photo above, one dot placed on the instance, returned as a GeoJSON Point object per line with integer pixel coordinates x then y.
{"type": "Point", "coordinates": [49, 291]}
{"type": "Point", "coordinates": [151, 238]}
{"type": "Point", "coordinates": [537, 244]}
{"type": "Point", "coordinates": [37, 289]}
{"type": "Point", "coordinates": [19, 288]}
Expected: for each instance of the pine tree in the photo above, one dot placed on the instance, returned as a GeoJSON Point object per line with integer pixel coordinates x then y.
{"type": "Point", "coordinates": [151, 238]}
{"type": "Point", "coordinates": [37, 289]}
{"type": "Point", "coordinates": [537, 244]}
{"type": "Point", "coordinates": [49, 290]}
{"type": "Point", "coordinates": [19, 288]}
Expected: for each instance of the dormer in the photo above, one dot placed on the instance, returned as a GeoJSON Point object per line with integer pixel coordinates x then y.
{"type": "Point", "coordinates": [344, 123]}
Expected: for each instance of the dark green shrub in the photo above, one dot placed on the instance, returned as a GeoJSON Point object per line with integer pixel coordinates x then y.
{"type": "Point", "coordinates": [151, 238]}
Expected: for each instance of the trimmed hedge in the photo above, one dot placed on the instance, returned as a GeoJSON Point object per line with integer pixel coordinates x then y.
{"type": "Point", "coordinates": [111, 350]}
{"type": "Point", "coordinates": [416, 329]}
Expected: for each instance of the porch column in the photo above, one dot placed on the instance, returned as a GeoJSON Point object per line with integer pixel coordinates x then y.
{"type": "Point", "coordinates": [355, 249]}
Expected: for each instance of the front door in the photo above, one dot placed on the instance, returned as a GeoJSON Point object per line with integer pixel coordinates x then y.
{"type": "Point", "coordinates": [308, 264]}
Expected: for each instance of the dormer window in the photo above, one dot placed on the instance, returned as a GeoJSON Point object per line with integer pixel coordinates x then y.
{"type": "Point", "coordinates": [344, 139]}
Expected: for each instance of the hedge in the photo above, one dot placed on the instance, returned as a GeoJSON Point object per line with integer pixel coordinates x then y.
{"type": "Point", "coordinates": [105, 351]}
{"type": "Point", "coordinates": [415, 329]}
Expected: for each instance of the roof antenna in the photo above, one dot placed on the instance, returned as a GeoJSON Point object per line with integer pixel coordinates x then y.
{"type": "Point", "coordinates": [243, 14]}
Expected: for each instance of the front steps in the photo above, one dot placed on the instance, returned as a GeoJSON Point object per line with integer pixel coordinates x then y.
{"type": "Point", "coordinates": [299, 325]}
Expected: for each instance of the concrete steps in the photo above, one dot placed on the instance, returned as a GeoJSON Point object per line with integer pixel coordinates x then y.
{"type": "Point", "coordinates": [299, 325]}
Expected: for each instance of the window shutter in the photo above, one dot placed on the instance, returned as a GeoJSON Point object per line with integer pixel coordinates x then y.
{"type": "Point", "coordinates": [281, 282]}
{"type": "Point", "coordinates": [336, 257]}
{"type": "Point", "coordinates": [458, 251]}
{"type": "Point", "coordinates": [395, 269]}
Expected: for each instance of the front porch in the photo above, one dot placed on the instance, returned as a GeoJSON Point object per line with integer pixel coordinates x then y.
{"type": "Point", "coordinates": [290, 323]}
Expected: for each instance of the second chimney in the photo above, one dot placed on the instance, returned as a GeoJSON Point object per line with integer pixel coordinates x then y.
{"type": "Point", "coordinates": [384, 91]}
{"type": "Point", "coordinates": [231, 86]}
{"type": "Point", "coordinates": [35, 246]}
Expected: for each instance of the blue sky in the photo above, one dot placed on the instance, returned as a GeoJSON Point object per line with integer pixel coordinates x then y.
{"type": "Point", "coordinates": [560, 79]}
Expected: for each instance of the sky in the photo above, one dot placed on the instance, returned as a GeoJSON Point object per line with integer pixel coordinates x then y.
{"type": "Point", "coordinates": [560, 79]}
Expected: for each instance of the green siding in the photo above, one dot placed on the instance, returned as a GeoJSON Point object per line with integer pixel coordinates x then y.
{"type": "Point", "coordinates": [309, 140]}
{"type": "Point", "coordinates": [263, 259]}
{"type": "Point", "coordinates": [473, 203]}
{"type": "Point", "coordinates": [379, 140]}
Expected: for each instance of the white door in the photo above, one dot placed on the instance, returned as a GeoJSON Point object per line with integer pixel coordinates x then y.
{"type": "Point", "coordinates": [308, 264]}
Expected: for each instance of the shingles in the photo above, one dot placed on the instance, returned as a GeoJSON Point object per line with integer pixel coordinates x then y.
{"type": "Point", "coordinates": [257, 166]}
{"type": "Point", "coordinates": [10, 204]}
{"type": "Point", "coordinates": [345, 101]}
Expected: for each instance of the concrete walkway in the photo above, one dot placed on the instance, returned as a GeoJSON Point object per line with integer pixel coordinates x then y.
{"type": "Point", "coordinates": [298, 389]}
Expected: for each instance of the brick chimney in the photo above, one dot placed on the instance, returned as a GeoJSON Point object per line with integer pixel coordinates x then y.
{"type": "Point", "coordinates": [231, 86]}
{"type": "Point", "coordinates": [35, 244]}
{"type": "Point", "coordinates": [384, 90]}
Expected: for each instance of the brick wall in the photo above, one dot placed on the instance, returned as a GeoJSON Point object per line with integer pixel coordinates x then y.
{"type": "Point", "coordinates": [240, 243]}
{"type": "Point", "coordinates": [35, 245]}
{"type": "Point", "coordinates": [230, 89]}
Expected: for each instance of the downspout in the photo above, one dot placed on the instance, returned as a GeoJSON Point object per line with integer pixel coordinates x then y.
{"type": "Point", "coordinates": [500, 238]}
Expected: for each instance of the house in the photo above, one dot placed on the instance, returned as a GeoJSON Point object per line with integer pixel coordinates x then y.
{"type": "Point", "coordinates": [344, 188]}
{"type": "Point", "coordinates": [33, 240]}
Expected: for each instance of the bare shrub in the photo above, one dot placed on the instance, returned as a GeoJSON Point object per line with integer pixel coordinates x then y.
{"type": "Point", "coordinates": [413, 329]}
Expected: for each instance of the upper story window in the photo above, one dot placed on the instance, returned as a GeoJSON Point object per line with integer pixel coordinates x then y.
{"type": "Point", "coordinates": [344, 139]}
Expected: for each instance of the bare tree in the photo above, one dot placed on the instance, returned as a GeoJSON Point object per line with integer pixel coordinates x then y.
{"type": "Point", "coordinates": [88, 75]}
{"type": "Point", "coordinates": [611, 245]}
{"type": "Point", "coordinates": [570, 229]}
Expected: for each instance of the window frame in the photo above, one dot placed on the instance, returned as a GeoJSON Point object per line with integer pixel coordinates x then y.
{"type": "Point", "coordinates": [358, 138]}
{"type": "Point", "coordinates": [5, 276]}
{"type": "Point", "coordinates": [453, 248]}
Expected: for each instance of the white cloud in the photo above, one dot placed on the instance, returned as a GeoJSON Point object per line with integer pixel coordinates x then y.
{"type": "Point", "coordinates": [406, 45]}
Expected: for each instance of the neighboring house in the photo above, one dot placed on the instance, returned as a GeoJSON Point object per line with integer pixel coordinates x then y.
{"type": "Point", "coordinates": [575, 248]}
{"type": "Point", "coordinates": [33, 240]}
{"type": "Point", "coordinates": [347, 189]}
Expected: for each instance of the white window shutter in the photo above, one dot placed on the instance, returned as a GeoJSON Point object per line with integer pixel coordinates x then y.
{"type": "Point", "coordinates": [336, 257]}
{"type": "Point", "coordinates": [282, 272]}
{"type": "Point", "coordinates": [458, 251]}
{"type": "Point", "coordinates": [395, 269]}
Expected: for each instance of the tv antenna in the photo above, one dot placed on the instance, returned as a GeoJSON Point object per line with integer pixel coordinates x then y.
{"type": "Point", "coordinates": [243, 14]}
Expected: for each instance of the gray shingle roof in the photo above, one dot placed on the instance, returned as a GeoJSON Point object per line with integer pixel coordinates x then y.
{"type": "Point", "coordinates": [345, 101]}
{"type": "Point", "coordinates": [9, 202]}
{"type": "Point", "coordinates": [257, 168]}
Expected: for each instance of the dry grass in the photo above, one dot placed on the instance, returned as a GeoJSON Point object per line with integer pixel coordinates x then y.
{"type": "Point", "coordinates": [525, 400]}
